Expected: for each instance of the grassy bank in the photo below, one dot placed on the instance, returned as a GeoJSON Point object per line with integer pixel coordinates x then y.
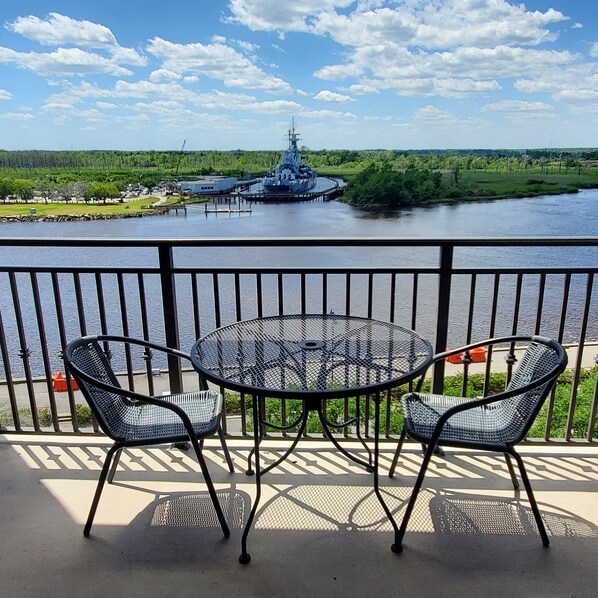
{"type": "Point", "coordinates": [63, 208]}
{"type": "Point", "coordinates": [484, 185]}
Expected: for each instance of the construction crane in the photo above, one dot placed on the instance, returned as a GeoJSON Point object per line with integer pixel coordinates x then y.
{"type": "Point", "coordinates": [175, 172]}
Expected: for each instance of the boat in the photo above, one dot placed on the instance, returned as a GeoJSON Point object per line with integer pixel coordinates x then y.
{"type": "Point", "coordinates": [291, 174]}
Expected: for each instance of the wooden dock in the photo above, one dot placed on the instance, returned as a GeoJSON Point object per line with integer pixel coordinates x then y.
{"type": "Point", "coordinates": [214, 209]}
{"type": "Point", "coordinates": [225, 210]}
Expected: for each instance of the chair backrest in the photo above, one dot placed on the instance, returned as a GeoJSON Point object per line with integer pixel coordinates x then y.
{"type": "Point", "coordinates": [542, 357]}
{"type": "Point", "coordinates": [85, 355]}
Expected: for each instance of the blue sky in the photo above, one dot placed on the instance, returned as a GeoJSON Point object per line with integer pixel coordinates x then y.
{"type": "Point", "coordinates": [230, 74]}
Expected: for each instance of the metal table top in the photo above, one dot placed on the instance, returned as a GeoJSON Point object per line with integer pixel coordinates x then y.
{"type": "Point", "coordinates": [297, 356]}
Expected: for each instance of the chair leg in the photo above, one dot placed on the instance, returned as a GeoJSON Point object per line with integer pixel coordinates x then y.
{"type": "Point", "coordinates": [393, 465]}
{"type": "Point", "coordinates": [211, 489]}
{"type": "Point", "coordinates": [114, 464]}
{"type": "Point", "coordinates": [512, 471]}
{"type": "Point", "coordinates": [115, 448]}
{"type": "Point", "coordinates": [398, 545]}
{"type": "Point", "coordinates": [531, 497]}
{"type": "Point", "coordinates": [225, 449]}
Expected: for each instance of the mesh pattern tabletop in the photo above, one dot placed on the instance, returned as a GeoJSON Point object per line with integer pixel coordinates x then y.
{"type": "Point", "coordinates": [293, 356]}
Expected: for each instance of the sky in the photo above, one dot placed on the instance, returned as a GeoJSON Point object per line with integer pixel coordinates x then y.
{"type": "Point", "coordinates": [232, 74]}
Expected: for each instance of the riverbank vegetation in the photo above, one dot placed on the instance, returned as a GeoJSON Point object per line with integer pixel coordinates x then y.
{"type": "Point", "coordinates": [386, 187]}
{"type": "Point", "coordinates": [583, 421]}
{"type": "Point", "coordinates": [388, 178]}
{"type": "Point", "coordinates": [582, 417]}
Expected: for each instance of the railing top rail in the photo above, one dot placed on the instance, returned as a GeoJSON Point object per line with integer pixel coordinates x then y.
{"type": "Point", "coordinates": [300, 241]}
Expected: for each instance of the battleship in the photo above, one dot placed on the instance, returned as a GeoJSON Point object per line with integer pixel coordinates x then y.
{"type": "Point", "coordinates": [291, 174]}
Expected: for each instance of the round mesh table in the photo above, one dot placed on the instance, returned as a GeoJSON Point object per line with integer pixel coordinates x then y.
{"type": "Point", "coordinates": [313, 358]}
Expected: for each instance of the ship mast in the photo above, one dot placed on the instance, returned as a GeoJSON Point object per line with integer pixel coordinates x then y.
{"type": "Point", "coordinates": [293, 137]}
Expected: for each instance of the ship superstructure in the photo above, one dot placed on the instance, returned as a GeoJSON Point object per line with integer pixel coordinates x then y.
{"type": "Point", "coordinates": [291, 174]}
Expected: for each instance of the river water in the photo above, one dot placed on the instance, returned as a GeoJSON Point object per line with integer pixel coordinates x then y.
{"type": "Point", "coordinates": [559, 215]}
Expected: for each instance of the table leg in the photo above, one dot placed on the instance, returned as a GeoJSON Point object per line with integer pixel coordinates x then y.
{"type": "Point", "coordinates": [245, 557]}
{"type": "Point", "coordinates": [302, 427]}
{"type": "Point", "coordinates": [326, 425]}
{"type": "Point", "coordinates": [378, 400]}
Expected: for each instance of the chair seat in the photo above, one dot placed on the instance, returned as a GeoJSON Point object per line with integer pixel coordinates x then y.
{"type": "Point", "coordinates": [482, 427]}
{"type": "Point", "coordinates": [144, 421]}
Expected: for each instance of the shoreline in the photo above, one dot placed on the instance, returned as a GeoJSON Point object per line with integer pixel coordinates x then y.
{"type": "Point", "coordinates": [160, 211]}
{"type": "Point", "coordinates": [81, 217]}
{"type": "Point", "coordinates": [455, 200]}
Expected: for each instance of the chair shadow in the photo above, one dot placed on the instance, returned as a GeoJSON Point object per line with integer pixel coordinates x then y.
{"type": "Point", "coordinates": [193, 510]}
{"type": "Point", "coordinates": [464, 514]}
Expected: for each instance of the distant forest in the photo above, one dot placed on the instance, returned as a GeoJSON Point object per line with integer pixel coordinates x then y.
{"type": "Point", "coordinates": [246, 163]}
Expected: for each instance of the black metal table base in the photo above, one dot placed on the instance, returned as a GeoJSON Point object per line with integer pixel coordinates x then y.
{"type": "Point", "coordinates": [371, 465]}
{"type": "Point", "coordinates": [302, 423]}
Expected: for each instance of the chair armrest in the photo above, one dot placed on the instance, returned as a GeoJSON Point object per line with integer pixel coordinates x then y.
{"type": "Point", "coordinates": [484, 343]}
{"type": "Point", "coordinates": [142, 343]}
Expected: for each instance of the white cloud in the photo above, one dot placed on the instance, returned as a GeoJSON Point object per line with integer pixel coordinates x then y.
{"type": "Point", "coordinates": [273, 15]}
{"type": "Point", "coordinates": [338, 72]}
{"type": "Point", "coordinates": [594, 50]}
{"type": "Point", "coordinates": [330, 96]}
{"type": "Point", "coordinates": [59, 30]}
{"type": "Point", "coordinates": [274, 106]}
{"type": "Point", "coordinates": [65, 62]}
{"type": "Point", "coordinates": [448, 48]}
{"type": "Point", "coordinates": [216, 61]}
{"type": "Point", "coordinates": [516, 106]}
{"type": "Point", "coordinates": [363, 89]}
{"type": "Point", "coordinates": [247, 46]}
{"type": "Point", "coordinates": [432, 24]}
{"type": "Point", "coordinates": [430, 113]}
{"type": "Point", "coordinates": [164, 75]}
{"type": "Point", "coordinates": [459, 73]}
{"type": "Point", "coordinates": [5, 95]}
{"type": "Point", "coordinates": [577, 95]}
{"type": "Point", "coordinates": [17, 116]}
{"type": "Point", "coordinates": [106, 105]}
{"type": "Point", "coordinates": [327, 114]}
{"type": "Point", "coordinates": [570, 83]}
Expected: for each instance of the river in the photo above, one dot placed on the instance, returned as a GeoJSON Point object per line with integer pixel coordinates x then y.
{"type": "Point", "coordinates": [571, 214]}
{"type": "Point", "coordinates": [559, 215]}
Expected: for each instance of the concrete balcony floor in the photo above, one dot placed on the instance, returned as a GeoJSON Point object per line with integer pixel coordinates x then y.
{"type": "Point", "coordinates": [319, 531]}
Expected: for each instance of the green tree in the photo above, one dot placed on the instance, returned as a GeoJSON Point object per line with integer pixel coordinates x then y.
{"type": "Point", "coordinates": [23, 188]}
{"type": "Point", "coordinates": [100, 192]}
{"type": "Point", "coordinates": [6, 188]}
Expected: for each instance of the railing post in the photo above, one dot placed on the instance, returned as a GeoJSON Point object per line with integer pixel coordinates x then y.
{"type": "Point", "coordinates": [171, 322]}
{"type": "Point", "coordinates": [442, 321]}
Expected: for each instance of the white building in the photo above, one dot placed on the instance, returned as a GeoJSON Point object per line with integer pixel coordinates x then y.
{"type": "Point", "coordinates": [209, 184]}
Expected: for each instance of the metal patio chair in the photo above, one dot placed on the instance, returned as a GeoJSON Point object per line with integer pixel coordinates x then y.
{"type": "Point", "coordinates": [494, 423]}
{"type": "Point", "coordinates": [133, 419]}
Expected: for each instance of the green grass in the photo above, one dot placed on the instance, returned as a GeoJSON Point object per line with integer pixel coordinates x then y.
{"type": "Point", "coordinates": [60, 209]}
{"type": "Point", "coordinates": [525, 184]}
{"type": "Point", "coordinates": [340, 409]}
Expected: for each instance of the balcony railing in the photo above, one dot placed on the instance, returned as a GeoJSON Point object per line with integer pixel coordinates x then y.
{"type": "Point", "coordinates": [452, 291]}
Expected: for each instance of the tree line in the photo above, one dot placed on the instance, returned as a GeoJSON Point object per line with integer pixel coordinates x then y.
{"type": "Point", "coordinates": [26, 190]}
{"type": "Point", "coordinates": [239, 162]}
